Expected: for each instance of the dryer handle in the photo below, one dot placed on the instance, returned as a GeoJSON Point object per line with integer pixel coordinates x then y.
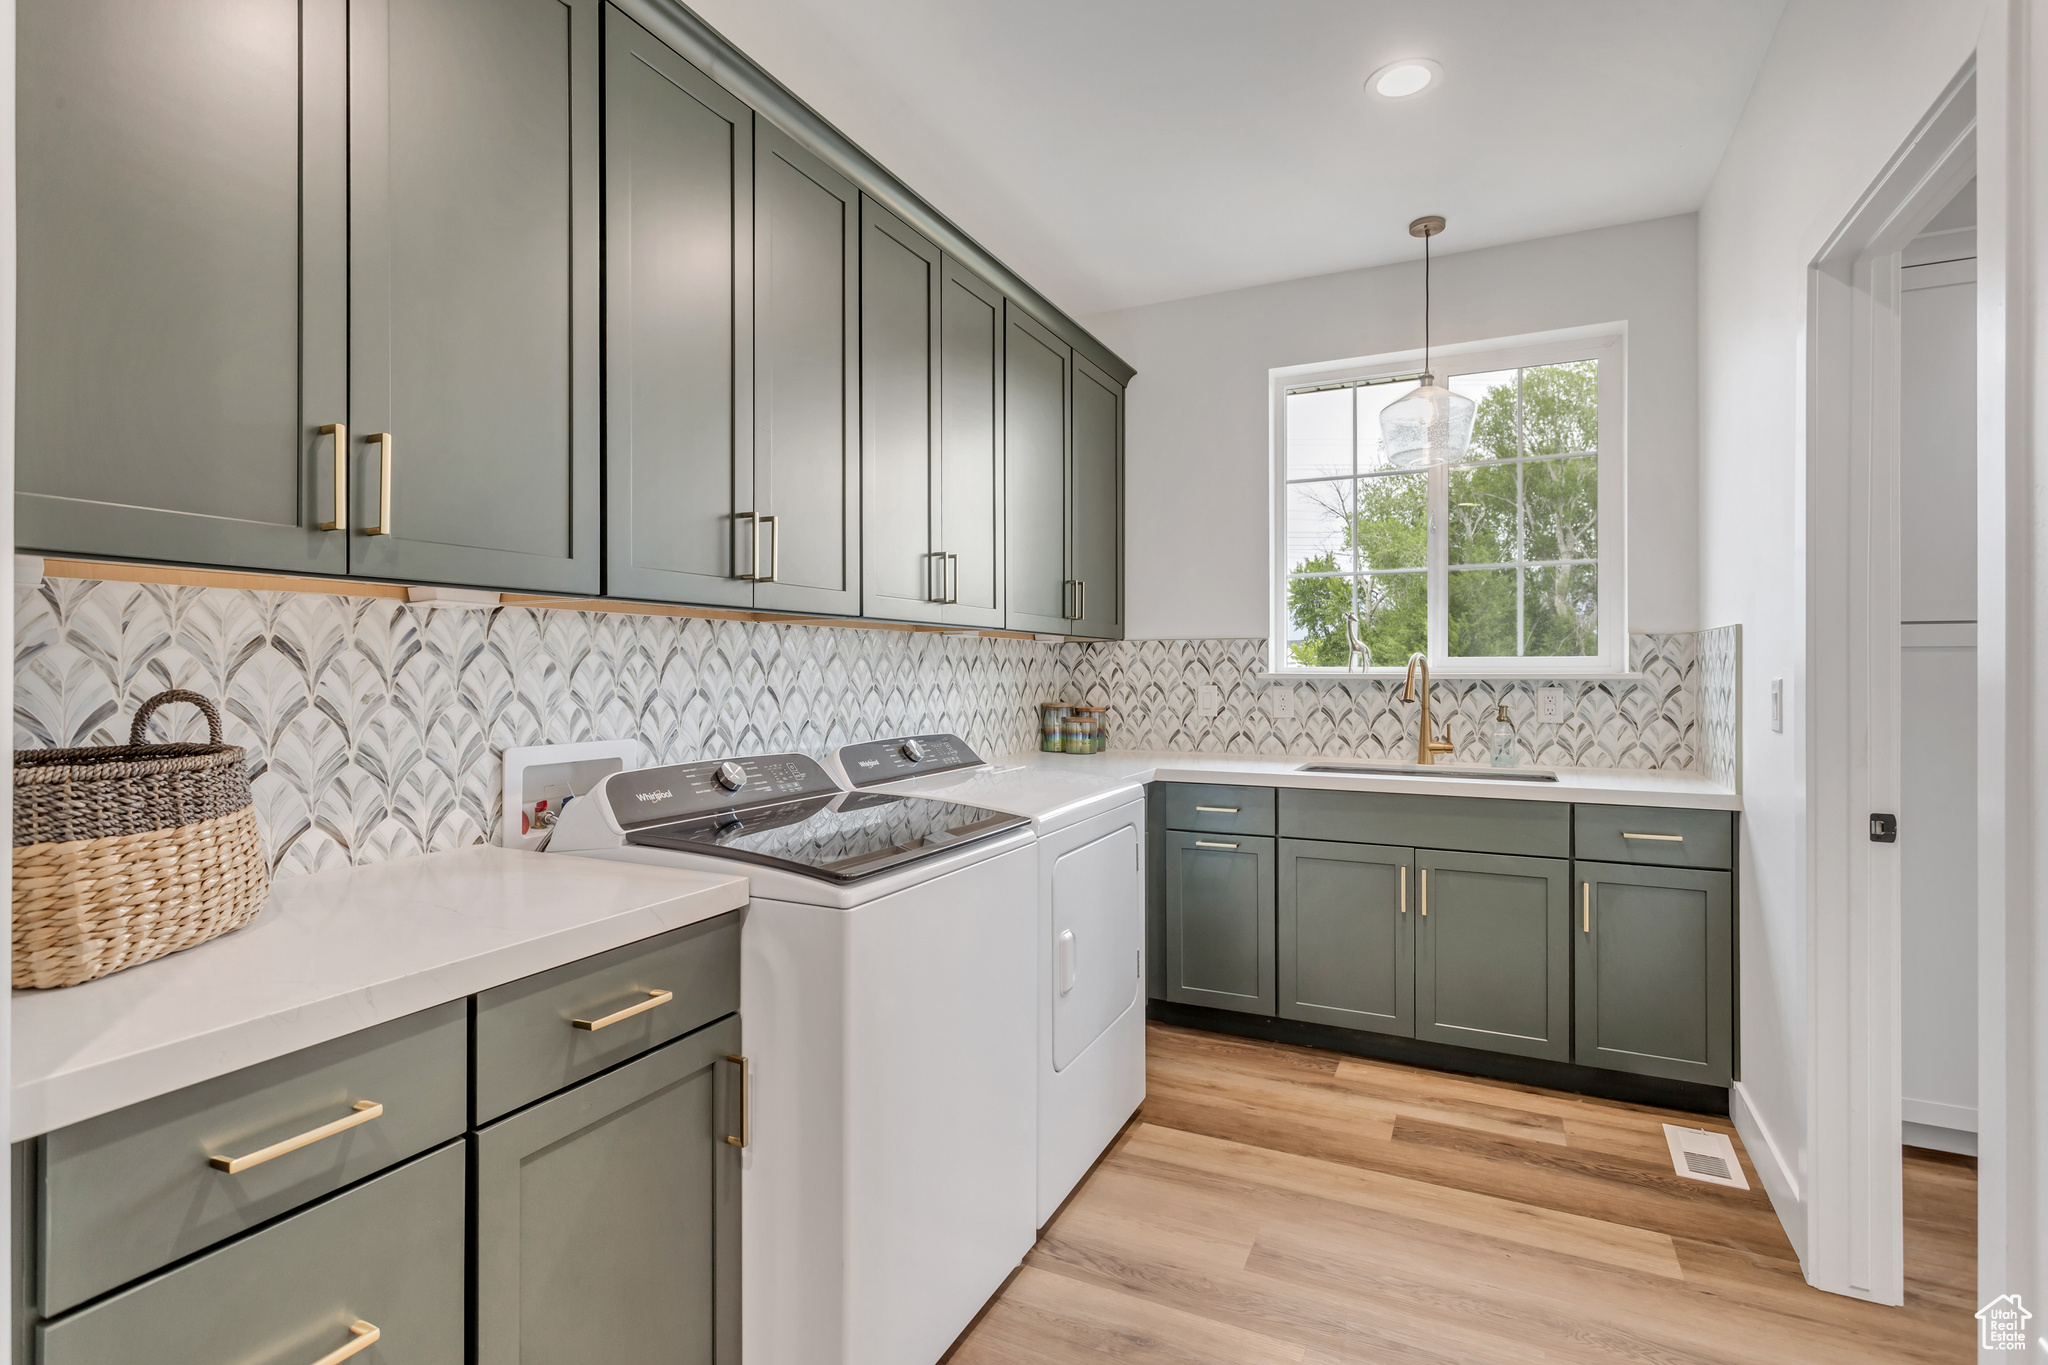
{"type": "Point", "coordinates": [1064, 964]}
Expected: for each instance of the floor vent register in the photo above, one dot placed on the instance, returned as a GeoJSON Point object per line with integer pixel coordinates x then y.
{"type": "Point", "coordinates": [1698, 1154]}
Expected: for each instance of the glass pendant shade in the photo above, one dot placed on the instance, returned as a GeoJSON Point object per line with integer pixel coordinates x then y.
{"type": "Point", "coordinates": [1429, 426]}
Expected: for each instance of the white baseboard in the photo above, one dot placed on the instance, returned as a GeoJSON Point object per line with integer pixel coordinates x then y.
{"type": "Point", "coordinates": [1933, 1113]}
{"type": "Point", "coordinates": [1958, 1140]}
{"type": "Point", "coordinates": [1781, 1181]}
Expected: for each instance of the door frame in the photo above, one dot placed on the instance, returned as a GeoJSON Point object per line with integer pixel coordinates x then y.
{"type": "Point", "coordinates": [1851, 711]}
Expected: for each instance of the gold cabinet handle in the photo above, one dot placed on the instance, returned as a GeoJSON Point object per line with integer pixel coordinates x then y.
{"type": "Point", "coordinates": [366, 1334]}
{"type": "Point", "coordinates": [1219, 810]}
{"type": "Point", "coordinates": [653, 999]}
{"type": "Point", "coordinates": [773, 522]}
{"type": "Point", "coordinates": [365, 1110]}
{"type": "Point", "coordinates": [339, 431]}
{"type": "Point", "coordinates": [1659, 838]}
{"type": "Point", "coordinates": [1585, 907]}
{"type": "Point", "coordinates": [1424, 875]}
{"type": "Point", "coordinates": [1404, 888]}
{"type": "Point", "coordinates": [383, 526]}
{"type": "Point", "coordinates": [1206, 843]}
{"type": "Point", "coordinates": [744, 1135]}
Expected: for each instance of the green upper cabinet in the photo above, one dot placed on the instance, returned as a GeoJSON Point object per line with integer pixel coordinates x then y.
{"type": "Point", "coordinates": [971, 448]}
{"type": "Point", "coordinates": [1038, 373]}
{"type": "Point", "coordinates": [183, 305]}
{"type": "Point", "coordinates": [1493, 953]}
{"type": "Point", "coordinates": [679, 242]}
{"type": "Point", "coordinates": [1095, 504]}
{"type": "Point", "coordinates": [803, 538]}
{"type": "Point", "coordinates": [901, 281]}
{"type": "Point", "coordinates": [473, 292]}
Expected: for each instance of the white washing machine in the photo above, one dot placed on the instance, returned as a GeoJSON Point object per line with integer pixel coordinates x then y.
{"type": "Point", "coordinates": [887, 999]}
{"type": "Point", "coordinates": [1090, 948]}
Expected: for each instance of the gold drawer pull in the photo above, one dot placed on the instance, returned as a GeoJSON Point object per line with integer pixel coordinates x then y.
{"type": "Point", "coordinates": [653, 998]}
{"type": "Point", "coordinates": [1206, 843]}
{"type": "Point", "coordinates": [365, 1110]}
{"type": "Point", "coordinates": [1218, 810]}
{"type": "Point", "coordinates": [1404, 888]}
{"type": "Point", "coordinates": [1586, 907]}
{"type": "Point", "coordinates": [1424, 875]}
{"type": "Point", "coordinates": [366, 1337]}
{"type": "Point", "coordinates": [1659, 838]}
{"type": "Point", "coordinates": [741, 1140]}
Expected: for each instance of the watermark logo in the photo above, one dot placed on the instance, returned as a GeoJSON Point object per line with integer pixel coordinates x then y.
{"type": "Point", "coordinates": [2003, 1324]}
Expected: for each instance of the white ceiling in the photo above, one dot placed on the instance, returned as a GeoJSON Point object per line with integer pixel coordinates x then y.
{"type": "Point", "coordinates": [1120, 152]}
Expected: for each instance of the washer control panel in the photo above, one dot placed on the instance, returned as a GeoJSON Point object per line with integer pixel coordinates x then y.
{"type": "Point", "coordinates": [892, 760]}
{"type": "Point", "coordinates": [656, 796]}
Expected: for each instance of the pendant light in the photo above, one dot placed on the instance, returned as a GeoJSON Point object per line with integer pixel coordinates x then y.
{"type": "Point", "coordinates": [1432, 425]}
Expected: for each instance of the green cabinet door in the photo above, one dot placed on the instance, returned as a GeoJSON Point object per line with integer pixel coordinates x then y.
{"type": "Point", "coordinates": [1492, 953]}
{"type": "Point", "coordinates": [1655, 993]}
{"type": "Point", "coordinates": [1095, 504]}
{"type": "Point", "coordinates": [806, 492]}
{"type": "Point", "coordinates": [1037, 375]}
{"type": "Point", "coordinates": [607, 1217]}
{"type": "Point", "coordinates": [903, 576]}
{"type": "Point", "coordinates": [473, 292]}
{"type": "Point", "coordinates": [971, 448]}
{"type": "Point", "coordinates": [1347, 935]}
{"type": "Point", "coordinates": [182, 254]}
{"type": "Point", "coordinates": [1220, 921]}
{"type": "Point", "coordinates": [679, 283]}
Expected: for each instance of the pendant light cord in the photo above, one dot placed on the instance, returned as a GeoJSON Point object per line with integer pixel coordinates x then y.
{"type": "Point", "coordinates": [1426, 377]}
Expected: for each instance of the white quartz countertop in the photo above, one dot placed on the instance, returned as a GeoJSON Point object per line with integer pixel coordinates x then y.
{"type": "Point", "coordinates": [329, 954]}
{"type": "Point", "coordinates": [1587, 786]}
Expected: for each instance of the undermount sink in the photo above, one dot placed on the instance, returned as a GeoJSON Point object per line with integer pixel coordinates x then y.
{"type": "Point", "coordinates": [1431, 770]}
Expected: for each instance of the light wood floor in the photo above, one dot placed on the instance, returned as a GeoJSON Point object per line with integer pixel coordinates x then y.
{"type": "Point", "coordinates": [1276, 1204]}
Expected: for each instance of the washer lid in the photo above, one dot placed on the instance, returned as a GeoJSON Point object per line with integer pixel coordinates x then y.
{"type": "Point", "coordinates": [843, 837]}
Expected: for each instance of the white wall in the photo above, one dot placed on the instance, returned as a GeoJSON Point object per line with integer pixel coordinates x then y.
{"type": "Point", "coordinates": [1198, 428]}
{"type": "Point", "coordinates": [1844, 83]}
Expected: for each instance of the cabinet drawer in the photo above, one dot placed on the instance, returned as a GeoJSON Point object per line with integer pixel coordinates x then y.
{"type": "Point", "coordinates": [528, 1039]}
{"type": "Point", "coordinates": [1471, 824]}
{"type": "Point", "coordinates": [1655, 836]}
{"type": "Point", "coordinates": [1218, 809]}
{"type": "Point", "coordinates": [389, 1253]}
{"type": "Point", "coordinates": [134, 1190]}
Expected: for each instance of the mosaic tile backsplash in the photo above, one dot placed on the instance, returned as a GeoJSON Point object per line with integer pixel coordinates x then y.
{"type": "Point", "coordinates": [374, 727]}
{"type": "Point", "coordinates": [1151, 690]}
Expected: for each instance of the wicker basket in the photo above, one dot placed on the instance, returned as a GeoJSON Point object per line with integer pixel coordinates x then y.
{"type": "Point", "coordinates": [123, 853]}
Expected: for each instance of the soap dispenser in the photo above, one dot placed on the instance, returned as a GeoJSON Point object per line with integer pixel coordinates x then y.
{"type": "Point", "coordinates": [1500, 739]}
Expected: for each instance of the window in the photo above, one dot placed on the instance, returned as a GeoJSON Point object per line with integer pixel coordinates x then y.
{"type": "Point", "coordinates": [1507, 563]}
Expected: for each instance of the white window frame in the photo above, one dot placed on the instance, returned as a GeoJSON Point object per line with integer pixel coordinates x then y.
{"type": "Point", "coordinates": [1608, 344]}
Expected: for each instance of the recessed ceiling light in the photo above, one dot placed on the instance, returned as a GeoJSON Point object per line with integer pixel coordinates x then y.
{"type": "Point", "coordinates": [1399, 80]}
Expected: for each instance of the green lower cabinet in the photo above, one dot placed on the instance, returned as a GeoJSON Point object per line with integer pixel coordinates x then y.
{"type": "Point", "coordinates": [607, 1217]}
{"type": "Point", "coordinates": [1347, 935]}
{"type": "Point", "coordinates": [1219, 921]}
{"type": "Point", "coordinates": [1655, 961]}
{"type": "Point", "coordinates": [385, 1256]}
{"type": "Point", "coordinates": [1492, 953]}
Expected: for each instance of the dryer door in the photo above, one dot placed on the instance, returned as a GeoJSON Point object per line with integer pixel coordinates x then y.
{"type": "Point", "coordinates": [1098, 932]}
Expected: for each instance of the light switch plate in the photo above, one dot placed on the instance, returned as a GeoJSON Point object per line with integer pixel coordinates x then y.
{"type": "Point", "coordinates": [1208, 699]}
{"type": "Point", "coordinates": [1283, 704]}
{"type": "Point", "coordinates": [1550, 706]}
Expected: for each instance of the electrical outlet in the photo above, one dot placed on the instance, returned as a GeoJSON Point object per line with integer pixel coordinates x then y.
{"type": "Point", "coordinates": [1283, 704]}
{"type": "Point", "coordinates": [1778, 705]}
{"type": "Point", "coordinates": [1208, 699]}
{"type": "Point", "coordinates": [1550, 706]}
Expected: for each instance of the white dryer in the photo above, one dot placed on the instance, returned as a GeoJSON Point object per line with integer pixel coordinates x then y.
{"type": "Point", "coordinates": [1090, 929]}
{"type": "Point", "coordinates": [887, 999]}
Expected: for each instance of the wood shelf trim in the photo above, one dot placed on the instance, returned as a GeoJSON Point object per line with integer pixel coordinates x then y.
{"type": "Point", "coordinates": [117, 571]}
